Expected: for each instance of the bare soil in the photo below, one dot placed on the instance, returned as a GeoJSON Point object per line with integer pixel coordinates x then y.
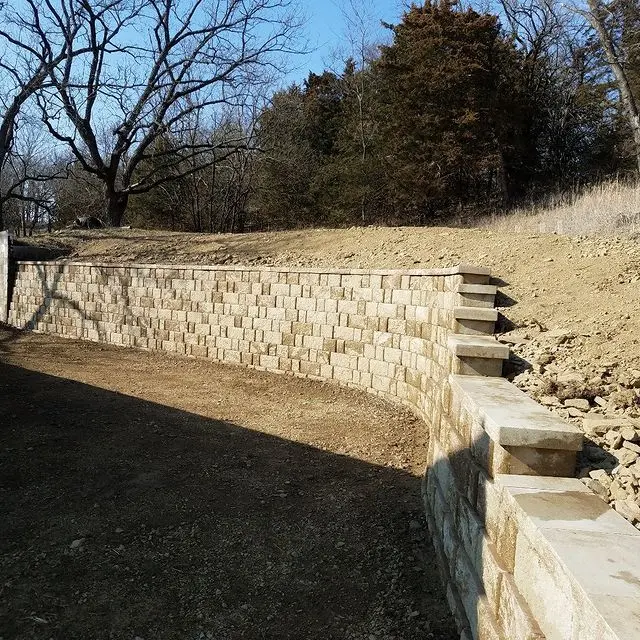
{"type": "Point", "coordinates": [144, 496]}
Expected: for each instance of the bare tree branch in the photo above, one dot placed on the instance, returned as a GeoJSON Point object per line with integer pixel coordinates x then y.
{"type": "Point", "coordinates": [113, 97]}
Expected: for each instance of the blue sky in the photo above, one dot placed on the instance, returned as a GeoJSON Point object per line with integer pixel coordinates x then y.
{"type": "Point", "coordinates": [326, 26]}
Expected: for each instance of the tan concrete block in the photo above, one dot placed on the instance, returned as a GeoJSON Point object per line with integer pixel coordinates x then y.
{"type": "Point", "coordinates": [392, 355]}
{"type": "Point", "coordinates": [326, 330]}
{"type": "Point", "coordinates": [401, 296]}
{"type": "Point", "coordinates": [512, 418]}
{"type": "Point", "coordinates": [498, 517]}
{"type": "Point", "coordinates": [310, 368]}
{"type": "Point", "coordinates": [202, 329]}
{"type": "Point", "coordinates": [384, 384]}
{"type": "Point", "coordinates": [514, 614]}
{"type": "Point", "coordinates": [344, 333]}
{"type": "Point", "coordinates": [578, 599]}
{"type": "Point", "coordinates": [381, 368]}
{"type": "Point", "coordinates": [362, 294]}
{"type": "Point", "coordinates": [491, 573]}
{"type": "Point", "coordinates": [531, 461]}
{"type": "Point", "coordinates": [199, 351]}
{"type": "Point", "coordinates": [306, 304]}
{"type": "Point", "coordinates": [343, 360]}
{"type": "Point", "coordinates": [355, 321]}
{"type": "Point", "coordinates": [469, 528]}
{"type": "Point", "coordinates": [268, 362]}
{"type": "Point", "coordinates": [353, 348]}
{"type": "Point", "coordinates": [392, 281]}
{"type": "Point", "coordinates": [447, 534]}
{"type": "Point", "coordinates": [469, 588]}
{"type": "Point", "coordinates": [301, 328]}
{"type": "Point", "coordinates": [313, 342]}
{"type": "Point", "coordinates": [342, 374]}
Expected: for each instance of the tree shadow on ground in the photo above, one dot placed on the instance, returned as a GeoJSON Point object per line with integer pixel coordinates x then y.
{"type": "Point", "coordinates": [122, 518]}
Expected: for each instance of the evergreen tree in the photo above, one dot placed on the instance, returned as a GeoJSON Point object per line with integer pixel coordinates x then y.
{"type": "Point", "coordinates": [450, 108]}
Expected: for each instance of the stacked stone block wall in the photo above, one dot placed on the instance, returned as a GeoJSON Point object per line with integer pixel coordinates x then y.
{"type": "Point", "coordinates": [4, 275]}
{"type": "Point", "coordinates": [509, 532]}
{"type": "Point", "coordinates": [386, 332]}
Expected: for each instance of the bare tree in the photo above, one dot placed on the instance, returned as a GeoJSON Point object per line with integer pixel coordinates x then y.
{"type": "Point", "coordinates": [27, 57]}
{"type": "Point", "coordinates": [138, 70]}
{"type": "Point", "coordinates": [362, 37]}
{"type": "Point", "coordinates": [27, 180]}
{"type": "Point", "coordinates": [611, 26]}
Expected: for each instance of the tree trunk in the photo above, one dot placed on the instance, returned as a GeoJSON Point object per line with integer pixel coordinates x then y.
{"type": "Point", "coordinates": [115, 207]}
{"type": "Point", "coordinates": [629, 102]}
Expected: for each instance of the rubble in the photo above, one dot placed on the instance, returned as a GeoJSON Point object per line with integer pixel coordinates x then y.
{"type": "Point", "coordinates": [602, 398]}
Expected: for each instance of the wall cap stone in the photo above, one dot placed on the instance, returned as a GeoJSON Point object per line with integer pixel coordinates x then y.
{"type": "Point", "coordinates": [575, 540]}
{"type": "Point", "coordinates": [480, 289]}
{"type": "Point", "coordinates": [477, 346]}
{"type": "Point", "coordinates": [513, 419]}
{"type": "Point", "coordinates": [461, 269]}
{"type": "Point", "coordinates": [475, 313]}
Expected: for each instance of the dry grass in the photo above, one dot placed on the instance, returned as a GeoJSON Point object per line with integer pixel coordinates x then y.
{"type": "Point", "coordinates": [610, 207]}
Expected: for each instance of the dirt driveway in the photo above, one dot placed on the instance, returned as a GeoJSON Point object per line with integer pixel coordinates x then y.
{"type": "Point", "coordinates": [149, 497]}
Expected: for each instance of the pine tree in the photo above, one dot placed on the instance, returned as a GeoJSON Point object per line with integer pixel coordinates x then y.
{"type": "Point", "coordinates": [447, 101]}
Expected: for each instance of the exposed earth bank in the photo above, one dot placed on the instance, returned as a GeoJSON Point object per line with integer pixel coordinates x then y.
{"type": "Point", "coordinates": [570, 311]}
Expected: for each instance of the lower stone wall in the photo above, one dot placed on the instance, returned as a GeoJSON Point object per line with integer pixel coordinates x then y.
{"type": "Point", "coordinates": [384, 331]}
{"type": "Point", "coordinates": [510, 532]}
{"type": "Point", "coordinates": [525, 551]}
{"type": "Point", "coordinates": [4, 275]}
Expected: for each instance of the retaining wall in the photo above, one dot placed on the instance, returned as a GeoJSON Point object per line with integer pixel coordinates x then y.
{"type": "Point", "coordinates": [524, 553]}
{"type": "Point", "coordinates": [4, 275]}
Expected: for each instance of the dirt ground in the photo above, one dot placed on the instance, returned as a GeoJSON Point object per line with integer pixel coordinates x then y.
{"type": "Point", "coordinates": [587, 285]}
{"type": "Point", "coordinates": [144, 496]}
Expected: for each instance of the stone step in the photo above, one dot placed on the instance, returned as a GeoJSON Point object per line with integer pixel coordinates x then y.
{"type": "Point", "coordinates": [481, 289]}
{"type": "Point", "coordinates": [475, 313]}
{"type": "Point", "coordinates": [511, 418]}
{"type": "Point", "coordinates": [474, 275]}
{"type": "Point", "coordinates": [474, 320]}
{"type": "Point", "coordinates": [477, 355]}
{"type": "Point", "coordinates": [477, 347]}
{"type": "Point", "coordinates": [477, 295]}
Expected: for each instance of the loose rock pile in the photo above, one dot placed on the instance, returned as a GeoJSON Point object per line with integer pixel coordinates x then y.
{"type": "Point", "coordinates": [602, 398]}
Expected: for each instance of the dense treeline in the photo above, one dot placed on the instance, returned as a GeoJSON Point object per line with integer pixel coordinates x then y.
{"type": "Point", "coordinates": [460, 112]}
{"type": "Point", "coordinates": [455, 118]}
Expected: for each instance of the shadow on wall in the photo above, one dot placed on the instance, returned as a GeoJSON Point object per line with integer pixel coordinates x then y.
{"type": "Point", "coordinates": [454, 499]}
{"type": "Point", "coordinates": [123, 518]}
{"type": "Point", "coordinates": [51, 292]}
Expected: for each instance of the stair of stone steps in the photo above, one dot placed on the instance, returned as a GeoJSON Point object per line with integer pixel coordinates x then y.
{"type": "Point", "coordinates": [477, 355]}
{"type": "Point", "coordinates": [474, 320]}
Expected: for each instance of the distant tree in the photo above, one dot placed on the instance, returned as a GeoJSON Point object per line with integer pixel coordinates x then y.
{"type": "Point", "coordinates": [27, 56]}
{"type": "Point", "coordinates": [287, 163]}
{"type": "Point", "coordinates": [76, 193]}
{"type": "Point", "coordinates": [617, 25]}
{"type": "Point", "coordinates": [360, 163]}
{"type": "Point", "coordinates": [115, 95]}
{"type": "Point", "coordinates": [450, 108]}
